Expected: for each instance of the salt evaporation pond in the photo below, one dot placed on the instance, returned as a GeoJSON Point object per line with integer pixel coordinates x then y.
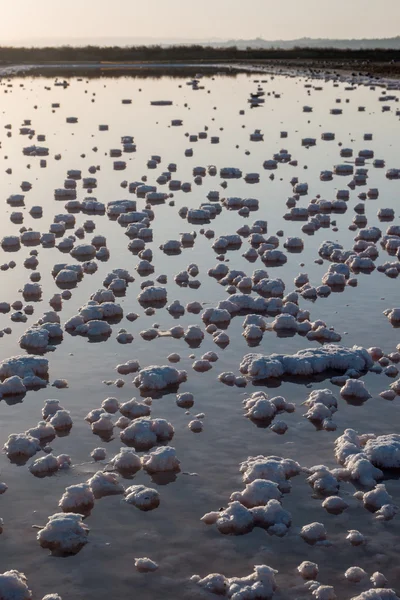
{"type": "Point", "coordinates": [172, 534]}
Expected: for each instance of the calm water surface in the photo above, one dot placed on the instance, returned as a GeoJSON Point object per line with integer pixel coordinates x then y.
{"type": "Point", "coordinates": [173, 535]}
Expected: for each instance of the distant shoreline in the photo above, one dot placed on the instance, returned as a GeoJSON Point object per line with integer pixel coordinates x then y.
{"type": "Point", "coordinates": [95, 59]}
{"type": "Point", "coordinates": [317, 68]}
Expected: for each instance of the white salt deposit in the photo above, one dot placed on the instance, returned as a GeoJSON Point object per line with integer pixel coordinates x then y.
{"type": "Point", "coordinates": [260, 583]}
{"type": "Point", "coordinates": [77, 498]}
{"type": "Point", "coordinates": [159, 378]}
{"type": "Point", "coordinates": [14, 586]}
{"type": "Point", "coordinates": [145, 565]}
{"type": "Point", "coordinates": [105, 484]}
{"type": "Point", "coordinates": [142, 497]}
{"type": "Point", "coordinates": [314, 533]}
{"type": "Point", "coordinates": [306, 362]}
{"type": "Point", "coordinates": [64, 533]}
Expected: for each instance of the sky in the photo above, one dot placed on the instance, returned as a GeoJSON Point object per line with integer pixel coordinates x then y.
{"type": "Point", "coordinates": [29, 20]}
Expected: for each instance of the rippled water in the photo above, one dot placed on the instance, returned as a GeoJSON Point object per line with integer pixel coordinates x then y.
{"type": "Point", "coordinates": [173, 535]}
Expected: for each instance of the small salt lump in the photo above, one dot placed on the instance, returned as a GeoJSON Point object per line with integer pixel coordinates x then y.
{"type": "Point", "coordinates": [105, 484]}
{"type": "Point", "coordinates": [196, 426]}
{"type": "Point", "coordinates": [126, 461]}
{"type": "Point", "coordinates": [145, 565]}
{"type": "Point", "coordinates": [185, 400]}
{"type": "Point", "coordinates": [354, 388]}
{"type": "Point", "coordinates": [355, 574]}
{"type": "Point", "coordinates": [308, 570]}
{"type": "Point", "coordinates": [98, 454]}
{"type": "Point", "coordinates": [142, 497]}
{"type": "Point", "coordinates": [355, 537]}
{"type": "Point", "coordinates": [314, 533]}
{"type": "Point", "coordinates": [335, 505]}
{"type": "Point", "coordinates": [110, 405]}
{"type": "Point", "coordinates": [324, 592]}
{"type": "Point", "coordinates": [161, 460]}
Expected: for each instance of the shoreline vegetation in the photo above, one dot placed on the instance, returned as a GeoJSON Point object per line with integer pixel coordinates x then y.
{"type": "Point", "coordinates": [374, 62]}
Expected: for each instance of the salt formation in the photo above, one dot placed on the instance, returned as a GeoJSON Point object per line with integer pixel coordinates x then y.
{"type": "Point", "coordinates": [103, 426]}
{"type": "Point", "coordinates": [144, 433]}
{"type": "Point", "coordinates": [32, 370]}
{"type": "Point", "coordinates": [159, 378]}
{"type": "Point", "coordinates": [323, 481]}
{"type": "Point", "coordinates": [48, 464]}
{"type": "Point", "coordinates": [393, 314]}
{"type": "Point", "coordinates": [308, 570]}
{"type": "Point", "coordinates": [64, 533]}
{"type": "Point", "coordinates": [259, 408]}
{"type": "Point", "coordinates": [142, 497]}
{"type": "Point", "coordinates": [306, 362]}
{"type": "Point", "coordinates": [105, 484]}
{"type": "Point", "coordinates": [61, 420]}
{"type": "Point", "coordinates": [324, 592]}
{"type": "Point", "coordinates": [126, 461]}
{"type": "Point", "coordinates": [133, 409]}
{"type": "Point", "coordinates": [355, 537]}
{"type": "Point", "coordinates": [354, 388]}
{"type": "Point", "coordinates": [77, 498]}
{"type": "Point", "coordinates": [314, 533]}
{"type": "Point", "coordinates": [145, 565]}
{"type": "Point", "coordinates": [21, 445]}
{"type": "Point", "coordinates": [14, 586]}
{"type": "Point", "coordinates": [98, 454]}
{"type": "Point", "coordinates": [335, 505]}
{"type": "Point", "coordinates": [377, 594]}
{"type": "Point", "coordinates": [355, 574]}
{"type": "Point", "coordinates": [160, 460]}
{"type": "Point", "coordinates": [257, 493]}
{"type": "Point", "coordinates": [258, 304]}
{"type": "Point", "coordinates": [273, 468]}
{"type": "Point", "coordinates": [261, 583]}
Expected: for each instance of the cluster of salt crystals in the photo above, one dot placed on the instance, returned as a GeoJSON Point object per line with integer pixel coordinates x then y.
{"type": "Point", "coordinates": [144, 433]}
{"type": "Point", "coordinates": [259, 505]}
{"type": "Point", "coordinates": [306, 362]}
{"type": "Point", "coordinates": [260, 409]}
{"type": "Point", "coordinates": [259, 584]}
{"type": "Point", "coordinates": [362, 457]}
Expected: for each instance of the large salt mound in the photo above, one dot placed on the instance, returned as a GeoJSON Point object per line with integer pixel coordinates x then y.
{"type": "Point", "coordinates": [384, 451]}
{"type": "Point", "coordinates": [236, 519]}
{"type": "Point", "coordinates": [31, 369]}
{"type": "Point", "coordinates": [306, 362]}
{"type": "Point", "coordinates": [260, 584]}
{"type": "Point", "coordinates": [144, 433]}
{"type": "Point", "coordinates": [13, 586]}
{"type": "Point", "coordinates": [64, 533]}
{"type": "Point", "coordinates": [377, 594]}
{"type": "Point", "coordinates": [272, 468]}
{"type": "Point", "coordinates": [159, 378]}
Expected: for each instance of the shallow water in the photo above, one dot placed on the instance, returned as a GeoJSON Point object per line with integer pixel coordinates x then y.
{"type": "Point", "coordinates": [173, 535]}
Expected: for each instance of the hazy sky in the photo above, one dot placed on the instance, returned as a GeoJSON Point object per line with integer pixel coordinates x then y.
{"type": "Point", "coordinates": [270, 19]}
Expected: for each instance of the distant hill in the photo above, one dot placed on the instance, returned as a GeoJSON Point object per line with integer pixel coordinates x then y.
{"type": "Point", "coordinates": [257, 43]}
{"type": "Point", "coordinates": [385, 43]}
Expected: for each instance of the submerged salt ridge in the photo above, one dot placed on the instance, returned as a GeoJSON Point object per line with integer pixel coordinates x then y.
{"type": "Point", "coordinates": [183, 262]}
